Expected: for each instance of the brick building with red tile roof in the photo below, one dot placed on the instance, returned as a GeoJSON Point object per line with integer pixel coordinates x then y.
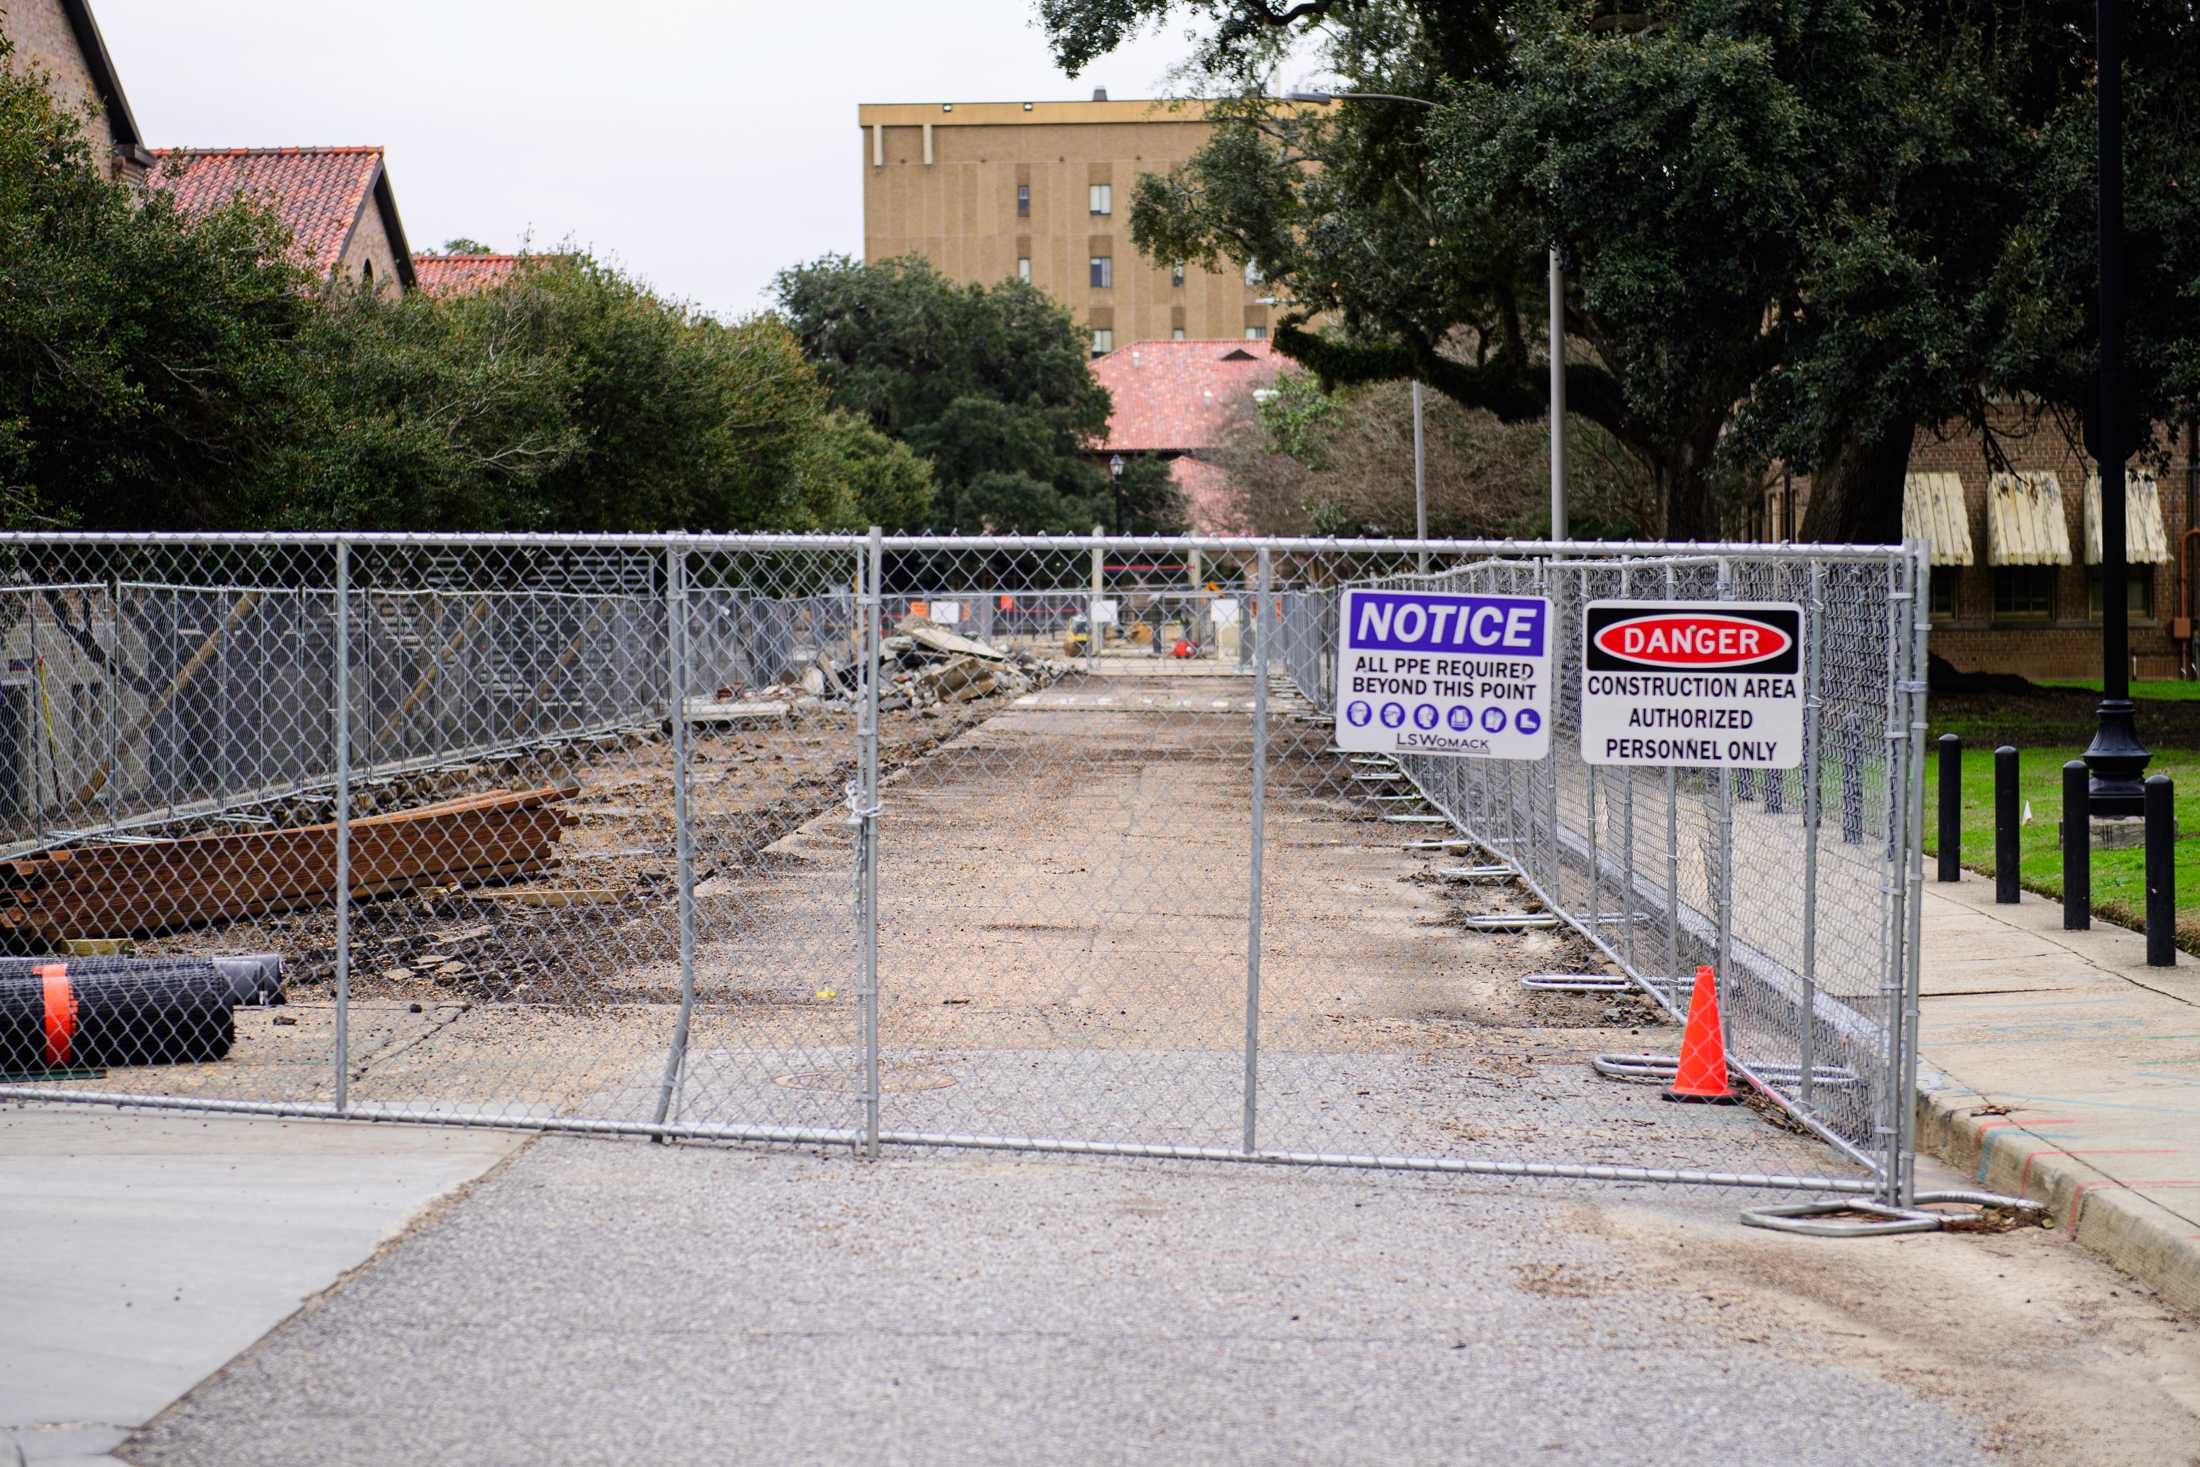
{"type": "Point", "coordinates": [337, 202]}
{"type": "Point", "coordinates": [1172, 400]}
{"type": "Point", "coordinates": [449, 275]}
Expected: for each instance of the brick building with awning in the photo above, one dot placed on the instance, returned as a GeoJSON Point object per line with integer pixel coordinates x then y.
{"type": "Point", "coordinates": [2016, 555]}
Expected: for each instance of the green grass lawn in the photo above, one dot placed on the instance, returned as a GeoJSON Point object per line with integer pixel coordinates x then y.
{"type": "Point", "coordinates": [2119, 877]}
{"type": "Point", "coordinates": [2157, 690]}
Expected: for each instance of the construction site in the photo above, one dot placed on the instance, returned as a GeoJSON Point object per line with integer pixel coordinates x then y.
{"type": "Point", "coordinates": [985, 844]}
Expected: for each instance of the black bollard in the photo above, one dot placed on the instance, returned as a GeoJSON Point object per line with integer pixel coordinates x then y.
{"type": "Point", "coordinates": [2005, 825]}
{"type": "Point", "coordinates": [2161, 874]}
{"type": "Point", "coordinates": [2077, 842]}
{"type": "Point", "coordinates": [1951, 807]}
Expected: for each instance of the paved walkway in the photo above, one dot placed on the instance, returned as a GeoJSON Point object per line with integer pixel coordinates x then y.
{"type": "Point", "coordinates": [2070, 1072]}
{"type": "Point", "coordinates": [143, 1251]}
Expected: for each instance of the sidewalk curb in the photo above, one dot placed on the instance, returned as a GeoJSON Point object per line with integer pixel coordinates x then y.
{"type": "Point", "coordinates": [1993, 1145]}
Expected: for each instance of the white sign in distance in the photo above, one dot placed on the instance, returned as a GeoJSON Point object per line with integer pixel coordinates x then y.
{"type": "Point", "coordinates": [1710, 684]}
{"type": "Point", "coordinates": [1223, 611]}
{"type": "Point", "coordinates": [1433, 672]}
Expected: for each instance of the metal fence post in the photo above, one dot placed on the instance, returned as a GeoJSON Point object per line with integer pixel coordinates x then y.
{"type": "Point", "coordinates": [873, 578]}
{"type": "Point", "coordinates": [1814, 671]}
{"type": "Point", "coordinates": [1672, 848]}
{"type": "Point", "coordinates": [1914, 689]}
{"type": "Point", "coordinates": [1253, 906]}
{"type": "Point", "coordinates": [1725, 894]}
{"type": "Point", "coordinates": [342, 733]}
{"type": "Point", "coordinates": [676, 675]}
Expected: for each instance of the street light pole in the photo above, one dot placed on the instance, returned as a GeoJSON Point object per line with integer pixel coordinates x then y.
{"type": "Point", "coordinates": [1420, 476]}
{"type": "Point", "coordinates": [1558, 345]}
{"type": "Point", "coordinates": [2116, 758]}
{"type": "Point", "coordinates": [1115, 479]}
{"type": "Point", "coordinates": [1558, 398]}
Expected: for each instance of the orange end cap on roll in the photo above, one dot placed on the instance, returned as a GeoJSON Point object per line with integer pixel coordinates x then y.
{"type": "Point", "coordinates": [60, 1014]}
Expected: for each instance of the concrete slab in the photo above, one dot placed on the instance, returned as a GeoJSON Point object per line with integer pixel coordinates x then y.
{"type": "Point", "coordinates": [2071, 1074]}
{"type": "Point", "coordinates": [144, 1251]}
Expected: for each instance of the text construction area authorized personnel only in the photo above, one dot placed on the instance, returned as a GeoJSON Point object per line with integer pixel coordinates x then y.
{"type": "Point", "coordinates": [1431, 672]}
{"type": "Point", "coordinates": [1709, 683]}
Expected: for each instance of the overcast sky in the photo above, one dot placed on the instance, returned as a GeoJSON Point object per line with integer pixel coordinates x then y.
{"type": "Point", "coordinates": [704, 144]}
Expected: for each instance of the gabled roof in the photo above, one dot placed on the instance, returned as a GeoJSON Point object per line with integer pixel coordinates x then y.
{"type": "Point", "coordinates": [463, 274]}
{"type": "Point", "coordinates": [1174, 396]}
{"type": "Point", "coordinates": [321, 193]}
{"type": "Point", "coordinates": [121, 121]}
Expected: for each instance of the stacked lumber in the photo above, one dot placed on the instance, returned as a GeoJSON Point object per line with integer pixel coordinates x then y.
{"type": "Point", "coordinates": [153, 885]}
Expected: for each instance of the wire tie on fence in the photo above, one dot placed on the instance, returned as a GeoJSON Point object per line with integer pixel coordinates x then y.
{"type": "Point", "coordinates": [858, 812]}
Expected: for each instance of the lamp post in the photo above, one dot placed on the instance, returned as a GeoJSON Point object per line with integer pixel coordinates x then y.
{"type": "Point", "coordinates": [1558, 346]}
{"type": "Point", "coordinates": [1115, 480]}
{"type": "Point", "coordinates": [2116, 758]}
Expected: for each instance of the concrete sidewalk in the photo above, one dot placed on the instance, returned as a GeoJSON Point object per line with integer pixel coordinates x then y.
{"type": "Point", "coordinates": [144, 1251]}
{"type": "Point", "coordinates": [2069, 1071]}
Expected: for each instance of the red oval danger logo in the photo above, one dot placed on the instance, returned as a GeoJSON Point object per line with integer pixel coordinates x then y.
{"type": "Point", "coordinates": [1690, 639]}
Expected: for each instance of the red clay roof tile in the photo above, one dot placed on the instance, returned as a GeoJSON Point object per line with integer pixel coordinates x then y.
{"type": "Point", "coordinates": [318, 192]}
{"type": "Point", "coordinates": [1174, 396]}
{"type": "Point", "coordinates": [448, 275]}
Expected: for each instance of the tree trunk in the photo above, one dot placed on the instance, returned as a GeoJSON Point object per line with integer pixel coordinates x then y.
{"type": "Point", "coordinates": [1856, 495]}
{"type": "Point", "coordinates": [1691, 506]}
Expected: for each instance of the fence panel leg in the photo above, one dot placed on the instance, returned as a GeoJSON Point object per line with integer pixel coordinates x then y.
{"type": "Point", "coordinates": [676, 679]}
{"type": "Point", "coordinates": [1253, 905]}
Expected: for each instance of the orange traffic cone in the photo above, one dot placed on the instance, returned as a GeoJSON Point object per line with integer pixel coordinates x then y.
{"type": "Point", "coordinates": [1701, 1078]}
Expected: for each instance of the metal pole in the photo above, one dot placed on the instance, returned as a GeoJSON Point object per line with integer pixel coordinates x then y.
{"type": "Point", "coordinates": [1951, 807]}
{"type": "Point", "coordinates": [343, 826]}
{"type": "Point", "coordinates": [1253, 907]}
{"type": "Point", "coordinates": [1672, 850]}
{"type": "Point", "coordinates": [1558, 398]}
{"type": "Point", "coordinates": [2005, 825]}
{"type": "Point", "coordinates": [1420, 477]}
{"type": "Point", "coordinates": [2116, 757]}
{"type": "Point", "coordinates": [1904, 1168]}
{"type": "Point", "coordinates": [867, 835]}
{"type": "Point", "coordinates": [1813, 801]}
{"type": "Point", "coordinates": [1092, 613]}
{"type": "Point", "coordinates": [676, 669]}
{"type": "Point", "coordinates": [1725, 893]}
{"type": "Point", "coordinates": [2161, 873]}
{"type": "Point", "coordinates": [2077, 850]}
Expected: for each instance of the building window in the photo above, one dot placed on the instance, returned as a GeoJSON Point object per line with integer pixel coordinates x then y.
{"type": "Point", "coordinates": [1023, 201]}
{"type": "Point", "coordinates": [1176, 273]}
{"type": "Point", "coordinates": [1256, 333]}
{"type": "Point", "coordinates": [366, 272]}
{"type": "Point", "coordinates": [1103, 341]}
{"type": "Point", "coordinates": [1942, 590]}
{"type": "Point", "coordinates": [1252, 272]}
{"type": "Point", "coordinates": [1103, 198]}
{"type": "Point", "coordinates": [1103, 271]}
{"type": "Point", "coordinates": [1023, 268]}
{"type": "Point", "coordinates": [1176, 333]}
{"type": "Point", "coordinates": [2024, 592]}
{"type": "Point", "coordinates": [2138, 593]}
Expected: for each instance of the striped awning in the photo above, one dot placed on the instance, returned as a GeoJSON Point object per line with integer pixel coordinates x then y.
{"type": "Point", "coordinates": [2025, 524]}
{"type": "Point", "coordinates": [2146, 541]}
{"type": "Point", "coordinates": [1933, 511]}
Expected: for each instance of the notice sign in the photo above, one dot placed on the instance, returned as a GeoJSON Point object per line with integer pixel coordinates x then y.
{"type": "Point", "coordinates": [1427, 672]}
{"type": "Point", "coordinates": [1711, 683]}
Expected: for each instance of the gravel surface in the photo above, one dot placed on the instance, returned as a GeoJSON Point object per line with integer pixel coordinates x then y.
{"type": "Point", "coordinates": [601, 1302]}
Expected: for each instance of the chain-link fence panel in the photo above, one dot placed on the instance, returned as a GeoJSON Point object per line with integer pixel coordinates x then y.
{"type": "Point", "coordinates": [994, 842]}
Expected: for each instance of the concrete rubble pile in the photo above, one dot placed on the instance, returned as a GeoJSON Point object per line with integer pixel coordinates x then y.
{"type": "Point", "coordinates": [925, 666]}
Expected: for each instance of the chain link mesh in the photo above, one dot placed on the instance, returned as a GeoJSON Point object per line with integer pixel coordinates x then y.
{"type": "Point", "coordinates": [985, 842]}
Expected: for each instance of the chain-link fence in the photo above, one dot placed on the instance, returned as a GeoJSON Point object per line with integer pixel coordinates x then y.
{"type": "Point", "coordinates": [996, 843]}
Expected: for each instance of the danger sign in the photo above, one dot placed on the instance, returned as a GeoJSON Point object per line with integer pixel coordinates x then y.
{"type": "Point", "coordinates": [1717, 684]}
{"type": "Point", "coordinates": [1429, 672]}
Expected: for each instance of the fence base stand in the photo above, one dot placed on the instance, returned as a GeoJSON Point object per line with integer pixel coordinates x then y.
{"type": "Point", "coordinates": [1806, 1218]}
{"type": "Point", "coordinates": [1510, 921]}
{"type": "Point", "coordinates": [1418, 819]}
{"type": "Point", "coordinates": [1439, 845]}
{"type": "Point", "coordinates": [1477, 873]}
{"type": "Point", "coordinates": [1661, 1068]}
{"type": "Point", "coordinates": [1577, 983]}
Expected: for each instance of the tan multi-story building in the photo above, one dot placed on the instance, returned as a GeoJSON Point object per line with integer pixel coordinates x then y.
{"type": "Point", "coordinates": [992, 191]}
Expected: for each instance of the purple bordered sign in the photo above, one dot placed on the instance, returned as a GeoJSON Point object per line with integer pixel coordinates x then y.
{"type": "Point", "coordinates": [1431, 672]}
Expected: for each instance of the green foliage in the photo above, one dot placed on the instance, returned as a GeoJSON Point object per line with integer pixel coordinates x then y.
{"type": "Point", "coordinates": [145, 364]}
{"type": "Point", "coordinates": [159, 373]}
{"type": "Point", "coordinates": [465, 246]}
{"type": "Point", "coordinates": [988, 384]}
{"type": "Point", "coordinates": [1794, 229]}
